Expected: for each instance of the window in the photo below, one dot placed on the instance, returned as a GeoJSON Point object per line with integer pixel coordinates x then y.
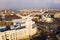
{"type": "Point", "coordinates": [19, 25]}
{"type": "Point", "coordinates": [22, 27]}
{"type": "Point", "coordinates": [15, 25]}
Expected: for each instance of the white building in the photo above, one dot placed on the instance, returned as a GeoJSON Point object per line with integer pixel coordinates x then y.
{"type": "Point", "coordinates": [22, 28]}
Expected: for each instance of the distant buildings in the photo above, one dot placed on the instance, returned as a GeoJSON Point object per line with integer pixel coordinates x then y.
{"type": "Point", "coordinates": [6, 12]}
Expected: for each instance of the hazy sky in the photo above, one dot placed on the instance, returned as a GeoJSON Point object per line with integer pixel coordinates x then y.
{"type": "Point", "coordinates": [29, 4]}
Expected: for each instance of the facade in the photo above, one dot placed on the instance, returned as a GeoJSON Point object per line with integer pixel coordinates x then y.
{"type": "Point", "coordinates": [22, 28]}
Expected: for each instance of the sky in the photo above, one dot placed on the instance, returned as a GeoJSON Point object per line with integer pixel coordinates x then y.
{"type": "Point", "coordinates": [29, 4]}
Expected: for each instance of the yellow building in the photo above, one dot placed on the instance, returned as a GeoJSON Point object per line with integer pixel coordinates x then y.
{"type": "Point", "coordinates": [57, 15]}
